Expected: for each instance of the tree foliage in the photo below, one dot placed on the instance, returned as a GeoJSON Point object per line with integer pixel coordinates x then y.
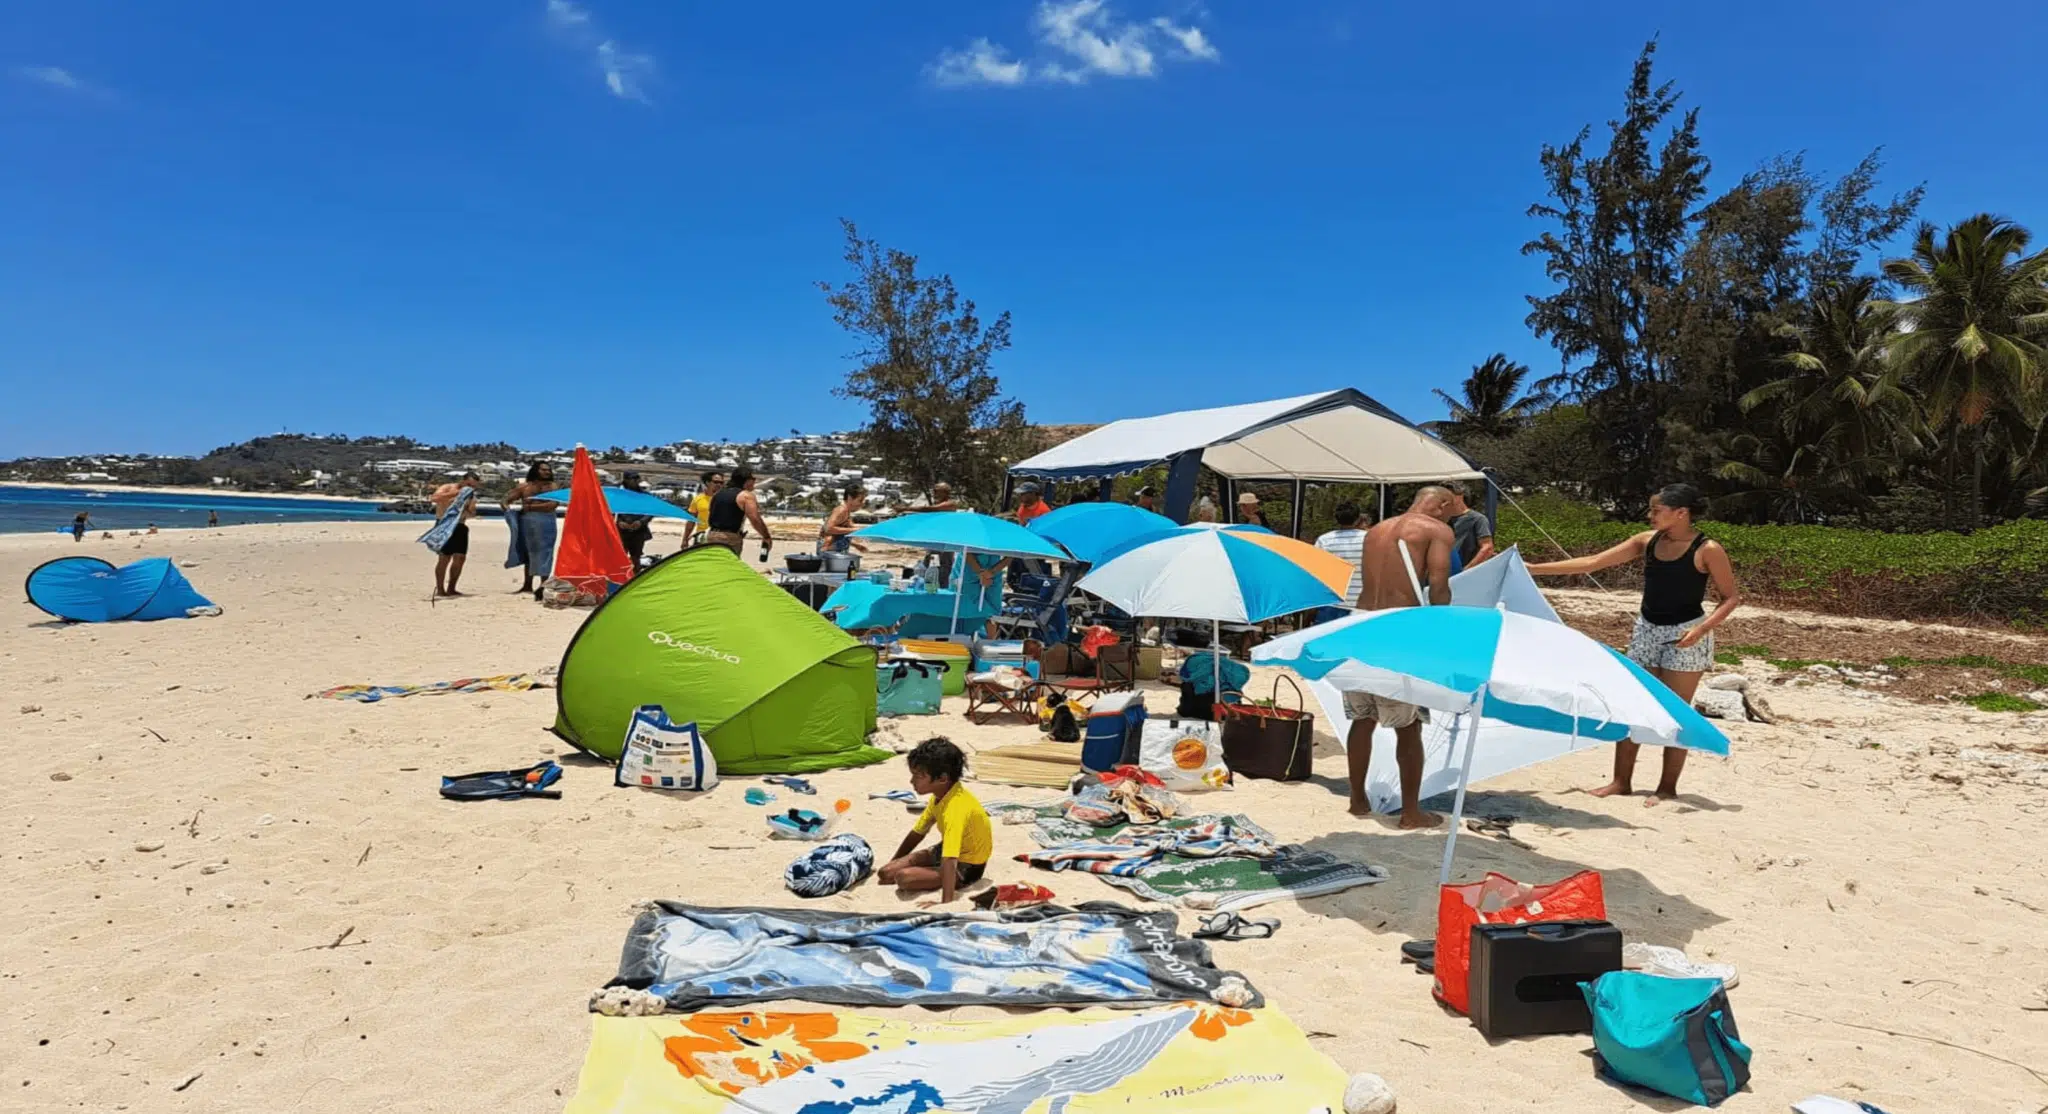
{"type": "Point", "coordinates": [1493, 404]}
{"type": "Point", "coordinates": [935, 409]}
{"type": "Point", "coordinates": [1738, 341]}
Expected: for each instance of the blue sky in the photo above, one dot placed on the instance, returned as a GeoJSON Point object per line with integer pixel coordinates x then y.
{"type": "Point", "coordinates": [603, 220]}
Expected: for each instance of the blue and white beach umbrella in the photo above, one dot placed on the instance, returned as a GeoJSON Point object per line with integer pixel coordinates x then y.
{"type": "Point", "coordinates": [1193, 573]}
{"type": "Point", "coordinates": [1497, 664]}
{"type": "Point", "coordinates": [963, 532]}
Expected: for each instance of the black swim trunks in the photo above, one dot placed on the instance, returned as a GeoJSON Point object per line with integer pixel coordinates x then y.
{"type": "Point", "coordinates": [458, 541]}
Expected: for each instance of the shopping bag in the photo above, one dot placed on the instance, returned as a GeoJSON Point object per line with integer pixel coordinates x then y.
{"type": "Point", "coordinates": [909, 687]}
{"type": "Point", "coordinates": [662, 755]}
{"type": "Point", "coordinates": [1498, 899]}
{"type": "Point", "coordinates": [1185, 755]}
{"type": "Point", "coordinates": [1673, 1036]}
{"type": "Point", "coordinates": [1266, 740]}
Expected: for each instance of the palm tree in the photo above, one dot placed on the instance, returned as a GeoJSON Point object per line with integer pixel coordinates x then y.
{"type": "Point", "coordinates": [1975, 316]}
{"type": "Point", "coordinates": [1490, 408]}
{"type": "Point", "coordinates": [1841, 392]}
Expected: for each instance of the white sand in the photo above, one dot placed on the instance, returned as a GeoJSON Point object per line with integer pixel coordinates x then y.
{"type": "Point", "coordinates": [1827, 860]}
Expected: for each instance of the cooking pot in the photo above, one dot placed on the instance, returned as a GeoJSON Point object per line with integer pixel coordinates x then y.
{"type": "Point", "coordinates": [804, 562]}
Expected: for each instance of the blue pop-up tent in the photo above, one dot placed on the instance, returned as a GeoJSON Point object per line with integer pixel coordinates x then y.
{"type": "Point", "coordinates": [90, 590]}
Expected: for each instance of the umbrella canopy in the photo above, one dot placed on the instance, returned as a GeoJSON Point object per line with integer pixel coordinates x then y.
{"type": "Point", "coordinates": [1498, 664]}
{"type": "Point", "coordinates": [1091, 530]}
{"type": "Point", "coordinates": [591, 555]}
{"type": "Point", "coordinates": [623, 500]}
{"type": "Point", "coordinates": [1219, 575]}
{"type": "Point", "coordinates": [963, 530]}
{"type": "Point", "coordinates": [1322, 564]}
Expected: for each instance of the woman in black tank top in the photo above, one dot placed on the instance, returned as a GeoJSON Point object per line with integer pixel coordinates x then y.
{"type": "Point", "coordinates": [1673, 638]}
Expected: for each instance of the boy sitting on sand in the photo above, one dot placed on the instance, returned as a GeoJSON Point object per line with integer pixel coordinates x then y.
{"type": "Point", "coordinates": [965, 839]}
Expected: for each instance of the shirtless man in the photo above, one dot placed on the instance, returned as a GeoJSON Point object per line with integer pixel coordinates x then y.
{"type": "Point", "coordinates": [1384, 582]}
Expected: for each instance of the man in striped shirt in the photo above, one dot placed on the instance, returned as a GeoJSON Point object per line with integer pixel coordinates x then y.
{"type": "Point", "coordinates": [1346, 541]}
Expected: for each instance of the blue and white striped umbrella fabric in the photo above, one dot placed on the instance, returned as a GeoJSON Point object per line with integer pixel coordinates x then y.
{"type": "Point", "coordinates": [1091, 530]}
{"type": "Point", "coordinates": [1536, 674]}
{"type": "Point", "coordinates": [1192, 573]}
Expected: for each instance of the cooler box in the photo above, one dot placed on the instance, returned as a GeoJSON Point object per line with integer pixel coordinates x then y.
{"type": "Point", "coordinates": [1115, 724]}
{"type": "Point", "coordinates": [1525, 977]}
{"type": "Point", "coordinates": [954, 655]}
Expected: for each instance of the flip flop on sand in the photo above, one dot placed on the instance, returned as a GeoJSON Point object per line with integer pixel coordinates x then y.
{"type": "Point", "coordinates": [1497, 826]}
{"type": "Point", "coordinates": [1422, 953]}
{"type": "Point", "coordinates": [1230, 926]}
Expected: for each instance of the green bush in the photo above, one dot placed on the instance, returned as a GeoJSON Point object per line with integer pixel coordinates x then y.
{"type": "Point", "coordinates": [1998, 573]}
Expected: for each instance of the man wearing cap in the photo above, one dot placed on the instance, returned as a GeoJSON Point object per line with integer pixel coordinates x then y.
{"type": "Point", "coordinates": [1248, 511]}
{"type": "Point", "coordinates": [1147, 499]}
{"type": "Point", "coordinates": [1029, 504]}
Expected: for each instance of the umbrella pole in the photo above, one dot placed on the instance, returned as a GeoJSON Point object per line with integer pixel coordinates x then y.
{"type": "Point", "coordinates": [959, 579]}
{"type": "Point", "coordinates": [1443, 877]}
{"type": "Point", "coordinates": [1216, 659]}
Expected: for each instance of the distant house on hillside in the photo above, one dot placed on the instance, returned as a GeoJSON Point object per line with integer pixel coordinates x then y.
{"type": "Point", "coordinates": [405, 467]}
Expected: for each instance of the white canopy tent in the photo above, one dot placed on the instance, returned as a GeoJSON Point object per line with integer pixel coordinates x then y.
{"type": "Point", "coordinates": [1340, 436]}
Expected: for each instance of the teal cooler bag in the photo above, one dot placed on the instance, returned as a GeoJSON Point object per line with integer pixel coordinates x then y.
{"type": "Point", "coordinates": [907, 687]}
{"type": "Point", "coordinates": [1674, 1036]}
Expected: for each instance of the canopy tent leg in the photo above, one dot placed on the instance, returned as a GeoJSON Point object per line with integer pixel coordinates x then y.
{"type": "Point", "coordinates": [1229, 507]}
{"type": "Point", "coordinates": [1105, 490]}
{"type": "Point", "coordinates": [1443, 876]}
{"type": "Point", "coordinates": [1182, 470]}
{"type": "Point", "coordinates": [1294, 519]}
{"type": "Point", "coordinates": [1383, 502]}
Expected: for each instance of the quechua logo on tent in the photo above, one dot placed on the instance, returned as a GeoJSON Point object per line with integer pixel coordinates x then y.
{"type": "Point", "coordinates": [663, 638]}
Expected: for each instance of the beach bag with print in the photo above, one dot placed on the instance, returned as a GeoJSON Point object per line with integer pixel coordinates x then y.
{"type": "Point", "coordinates": [909, 687]}
{"type": "Point", "coordinates": [662, 755]}
{"type": "Point", "coordinates": [1673, 1036]}
{"type": "Point", "coordinates": [1185, 755]}
{"type": "Point", "coordinates": [1499, 899]}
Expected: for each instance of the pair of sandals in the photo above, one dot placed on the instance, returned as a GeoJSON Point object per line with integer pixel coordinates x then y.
{"type": "Point", "coordinates": [1231, 926]}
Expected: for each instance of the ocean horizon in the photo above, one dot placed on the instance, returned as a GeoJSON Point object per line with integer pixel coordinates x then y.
{"type": "Point", "coordinates": [36, 510]}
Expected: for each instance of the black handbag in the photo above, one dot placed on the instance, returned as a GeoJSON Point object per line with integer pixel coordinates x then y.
{"type": "Point", "coordinates": [1268, 741]}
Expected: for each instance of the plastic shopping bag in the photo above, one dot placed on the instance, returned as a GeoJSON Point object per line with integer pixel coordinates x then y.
{"type": "Point", "coordinates": [1185, 755]}
{"type": "Point", "coordinates": [1498, 899]}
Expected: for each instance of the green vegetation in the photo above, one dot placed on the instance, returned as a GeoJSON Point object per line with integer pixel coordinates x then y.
{"type": "Point", "coordinates": [2032, 674]}
{"type": "Point", "coordinates": [2001, 702]}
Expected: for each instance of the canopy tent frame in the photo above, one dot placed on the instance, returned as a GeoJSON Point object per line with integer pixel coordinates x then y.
{"type": "Point", "coordinates": [1250, 442]}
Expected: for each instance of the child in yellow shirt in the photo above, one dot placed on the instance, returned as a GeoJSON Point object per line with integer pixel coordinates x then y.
{"type": "Point", "coordinates": [965, 838]}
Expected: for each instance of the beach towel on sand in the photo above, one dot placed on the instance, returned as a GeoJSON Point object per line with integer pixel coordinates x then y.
{"type": "Point", "coordinates": [443, 528]}
{"type": "Point", "coordinates": [1097, 953]}
{"type": "Point", "coordinates": [1191, 1058]}
{"type": "Point", "coordinates": [1201, 862]}
{"type": "Point", "coordinates": [533, 540]}
{"type": "Point", "coordinates": [370, 694]}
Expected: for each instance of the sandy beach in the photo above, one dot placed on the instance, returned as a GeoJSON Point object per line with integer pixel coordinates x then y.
{"type": "Point", "coordinates": [226, 896]}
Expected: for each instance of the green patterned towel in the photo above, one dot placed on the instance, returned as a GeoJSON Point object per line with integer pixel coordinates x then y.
{"type": "Point", "coordinates": [1221, 883]}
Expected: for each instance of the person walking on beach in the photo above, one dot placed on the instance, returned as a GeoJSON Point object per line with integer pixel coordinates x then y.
{"type": "Point", "coordinates": [213, 518]}
{"type": "Point", "coordinates": [1673, 639]}
{"type": "Point", "coordinates": [1473, 532]}
{"type": "Point", "coordinates": [700, 506]}
{"type": "Point", "coordinates": [454, 551]}
{"type": "Point", "coordinates": [1405, 562]}
{"type": "Point", "coordinates": [731, 510]}
{"type": "Point", "coordinates": [635, 530]}
{"type": "Point", "coordinates": [533, 526]}
{"type": "Point", "coordinates": [78, 525]}
{"type": "Point", "coordinates": [834, 535]}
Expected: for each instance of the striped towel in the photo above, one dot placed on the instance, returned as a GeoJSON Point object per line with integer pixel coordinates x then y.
{"type": "Point", "coordinates": [370, 694]}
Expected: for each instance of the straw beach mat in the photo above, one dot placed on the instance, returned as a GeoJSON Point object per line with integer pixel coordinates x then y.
{"type": "Point", "coordinates": [1038, 765]}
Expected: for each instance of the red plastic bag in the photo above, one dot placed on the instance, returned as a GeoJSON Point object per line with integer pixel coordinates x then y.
{"type": "Point", "coordinates": [1499, 899]}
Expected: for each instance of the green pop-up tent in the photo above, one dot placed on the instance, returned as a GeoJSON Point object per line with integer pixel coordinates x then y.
{"type": "Point", "coordinates": [773, 687]}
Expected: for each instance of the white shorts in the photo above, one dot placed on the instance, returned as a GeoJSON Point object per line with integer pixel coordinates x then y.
{"type": "Point", "coordinates": [1655, 646]}
{"type": "Point", "coordinates": [1390, 714]}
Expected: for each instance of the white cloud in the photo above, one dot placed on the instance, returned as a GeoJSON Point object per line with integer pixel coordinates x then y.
{"type": "Point", "coordinates": [57, 77]}
{"type": "Point", "coordinates": [1080, 40]}
{"type": "Point", "coordinates": [982, 63]}
{"type": "Point", "coordinates": [626, 73]}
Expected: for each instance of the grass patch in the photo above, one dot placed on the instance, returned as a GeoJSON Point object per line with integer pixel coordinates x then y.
{"type": "Point", "coordinates": [1792, 664]}
{"type": "Point", "coordinates": [1733, 655]}
{"type": "Point", "coordinates": [2001, 702]}
{"type": "Point", "coordinates": [2032, 674]}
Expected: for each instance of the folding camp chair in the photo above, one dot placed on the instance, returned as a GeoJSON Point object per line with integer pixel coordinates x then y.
{"type": "Point", "coordinates": [1116, 670]}
{"type": "Point", "coordinates": [990, 702]}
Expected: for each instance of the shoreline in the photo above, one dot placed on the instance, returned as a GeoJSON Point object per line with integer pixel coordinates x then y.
{"type": "Point", "coordinates": [215, 492]}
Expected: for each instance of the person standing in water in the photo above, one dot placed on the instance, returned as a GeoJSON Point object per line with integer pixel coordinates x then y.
{"type": "Point", "coordinates": [1388, 578]}
{"type": "Point", "coordinates": [533, 526]}
{"type": "Point", "coordinates": [1673, 638]}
